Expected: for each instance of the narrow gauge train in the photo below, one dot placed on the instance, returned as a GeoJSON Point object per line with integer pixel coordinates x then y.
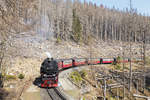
{"type": "Point", "coordinates": [50, 68]}
{"type": "Point", "coordinates": [49, 73]}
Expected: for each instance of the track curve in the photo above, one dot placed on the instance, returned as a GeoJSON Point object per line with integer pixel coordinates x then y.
{"type": "Point", "coordinates": [55, 94]}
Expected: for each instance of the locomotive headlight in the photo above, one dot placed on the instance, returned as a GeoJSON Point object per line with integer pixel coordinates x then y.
{"type": "Point", "coordinates": [44, 75]}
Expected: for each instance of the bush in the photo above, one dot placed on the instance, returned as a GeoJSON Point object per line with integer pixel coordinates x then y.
{"type": "Point", "coordinates": [147, 60]}
{"type": "Point", "coordinates": [126, 68]}
{"type": "Point", "coordinates": [111, 98]}
{"type": "Point", "coordinates": [83, 98]}
{"type": "Point", "coordinates": [83, 73]}
{"type": "Point", "coordinates": [10, 77]}
{"type": "Point", "coordinates": [119, 58]}
{"type": "Point", "coordinates": [21, 76]}
{"type": "Point", "coordinates": [76, 77]}
{"type": "Point", "coordinates": [109, 82]}
{"type": "Point", "coordinates": [58, 39]}
{"type": "Point", "coordinates": [118, 66]}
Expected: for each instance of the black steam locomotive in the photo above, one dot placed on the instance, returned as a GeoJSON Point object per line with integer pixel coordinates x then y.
{"type": "Point", "coordinates": [49, 73]}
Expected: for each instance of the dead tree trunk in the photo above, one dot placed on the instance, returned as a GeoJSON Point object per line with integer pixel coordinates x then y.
{"type": "Point", "coordinates": [144, 50]}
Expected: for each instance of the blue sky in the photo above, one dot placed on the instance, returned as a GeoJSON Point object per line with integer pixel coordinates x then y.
{"type": "Point", "coordinates": [143, 6]}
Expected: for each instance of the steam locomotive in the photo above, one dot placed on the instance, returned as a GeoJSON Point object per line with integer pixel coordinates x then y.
{"type": "Point", "coordinates": [49, 73]}
{"type": "Point", "coordinates": [50, 68]}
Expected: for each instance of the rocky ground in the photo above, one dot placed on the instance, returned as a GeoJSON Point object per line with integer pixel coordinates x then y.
{"type": "Point", "coordinates": [28, 52]}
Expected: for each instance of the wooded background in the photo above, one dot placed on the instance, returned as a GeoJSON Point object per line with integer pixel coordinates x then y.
{"type": "Point", "coordinates": [72, 20]}
{"type": "Point", "coordinates": [80, 21]}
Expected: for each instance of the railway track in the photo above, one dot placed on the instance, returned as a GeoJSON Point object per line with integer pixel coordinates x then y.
{"type": "Point", "coordinates": [55, 94]}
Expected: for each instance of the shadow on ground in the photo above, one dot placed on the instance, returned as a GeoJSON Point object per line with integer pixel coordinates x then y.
{"type": "Point", "coordinates": [3, 94]}
{"type": "Point", "coordinates": [37, 81]}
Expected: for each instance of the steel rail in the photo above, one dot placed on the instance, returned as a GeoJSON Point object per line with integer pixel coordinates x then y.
{"type": "Point", "coordinates": [55, 94]}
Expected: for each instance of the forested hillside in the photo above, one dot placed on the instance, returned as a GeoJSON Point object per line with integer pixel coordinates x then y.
{"type": "Point", "coordinates": [81, 21]}
{"type": "Point", "coordinates": [69, 29]}
{"type": "Point", "coordinates": [72, 20]}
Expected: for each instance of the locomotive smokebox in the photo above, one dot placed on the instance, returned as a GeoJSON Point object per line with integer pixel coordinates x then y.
{"type": "Point", "coordinates": [49, 66]}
